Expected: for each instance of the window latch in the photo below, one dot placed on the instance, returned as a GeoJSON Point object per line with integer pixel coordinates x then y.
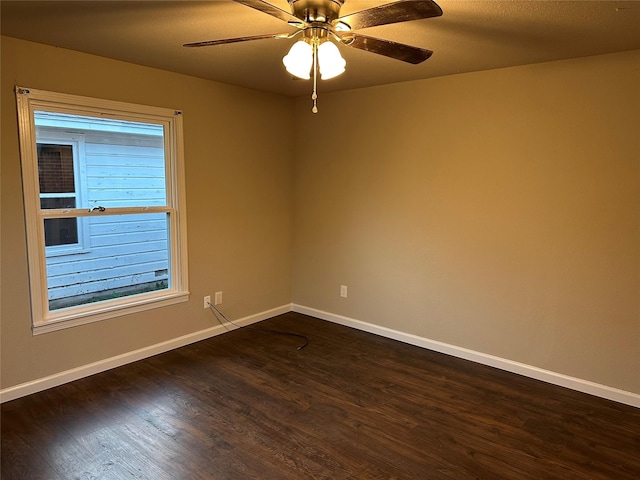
{"type": "Point", "coordinates": [98, 208]}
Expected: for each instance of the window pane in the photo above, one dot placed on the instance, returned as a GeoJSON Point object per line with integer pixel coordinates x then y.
{"type": "Point", "coordinates": [57, 202]}
{"type": "Point", "coordinates": [128, 255]}
{"type": "Point", "coordinates": [60, 231]}
{"type": "Point", "coordinates": [123, 162]}
{"type": "Point", "coordinates": [55, 168]}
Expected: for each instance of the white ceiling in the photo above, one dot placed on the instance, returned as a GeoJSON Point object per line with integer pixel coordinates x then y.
{"type": "Point", "coordinates": [471, 35]}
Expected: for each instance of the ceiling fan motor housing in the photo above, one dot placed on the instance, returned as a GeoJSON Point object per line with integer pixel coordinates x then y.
{"type": "Point", "coordinates": [316, 11]}
{"type": "Point", "coordinates": [318, 20]}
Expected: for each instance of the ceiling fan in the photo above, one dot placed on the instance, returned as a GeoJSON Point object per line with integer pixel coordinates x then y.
{"type": "Point", "coordinates": [319, 21]}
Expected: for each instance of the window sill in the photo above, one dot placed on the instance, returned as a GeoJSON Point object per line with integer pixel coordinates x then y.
{"type": "Point", "coordinates": [75, 319]}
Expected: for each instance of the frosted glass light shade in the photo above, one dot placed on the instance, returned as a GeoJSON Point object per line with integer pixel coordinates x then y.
{"type": "Point", "coordinates": [331, 62]}
{"type": "Point", "coordinates": [299, 60]}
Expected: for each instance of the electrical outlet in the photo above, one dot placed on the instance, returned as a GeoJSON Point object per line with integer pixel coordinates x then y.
{"type": "Point", "coordinates": [343, 291]}
{"type": "Point", "coordinates": [207, 301]}
{"type": "Point", "coordinates": [218, 298]}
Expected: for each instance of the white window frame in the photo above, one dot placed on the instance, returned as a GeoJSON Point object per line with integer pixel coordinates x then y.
{"type": "Point", "coordinates": [43, 320]}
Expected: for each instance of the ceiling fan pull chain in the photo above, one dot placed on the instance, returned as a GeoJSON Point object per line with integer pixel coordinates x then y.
{"type": "Point", "coordinates": [314, 96]}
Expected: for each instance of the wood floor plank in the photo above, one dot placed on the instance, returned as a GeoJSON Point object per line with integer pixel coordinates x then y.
{"type": "Point", "coordinates": [350, 406]}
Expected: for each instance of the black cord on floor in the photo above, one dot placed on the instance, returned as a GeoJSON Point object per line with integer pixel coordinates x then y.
{"type": "Point", "coordinates": [219, 314]}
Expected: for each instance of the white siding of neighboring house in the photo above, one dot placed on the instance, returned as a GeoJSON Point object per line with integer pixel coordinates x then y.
{"type": "Point", "coordinates": [122, 251]}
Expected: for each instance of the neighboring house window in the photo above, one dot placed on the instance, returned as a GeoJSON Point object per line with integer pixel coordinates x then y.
{"type": "Point", "coordinates": [103, 187]}
{"type": "Point", "coordinates": [61, 186]}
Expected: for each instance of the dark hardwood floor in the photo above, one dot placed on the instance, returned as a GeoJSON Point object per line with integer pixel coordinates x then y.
{"type": "Point", "coordinates": [351, 405]}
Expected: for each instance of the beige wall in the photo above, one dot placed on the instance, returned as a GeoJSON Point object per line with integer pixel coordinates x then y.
{"type": "Point", "coordinates": [238, 179]}
{"type": "Point", "coordinates": [497, 211]}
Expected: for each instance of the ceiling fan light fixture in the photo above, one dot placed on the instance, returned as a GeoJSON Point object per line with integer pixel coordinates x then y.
{"type": "Point", "coordinates": [319, 20]}
{"type": "Point", "coordinates": [342, 27]}
{"type": "Point", "coordinates": [299, 60]}
{"type": "Point", "coordinates": [331, 62]}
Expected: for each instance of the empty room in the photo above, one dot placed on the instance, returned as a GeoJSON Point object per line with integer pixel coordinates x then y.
{"type": "Point", "coordinates": [320, 239]}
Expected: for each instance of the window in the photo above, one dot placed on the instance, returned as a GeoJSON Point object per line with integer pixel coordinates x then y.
{"type": "Point", "coordinates": [103, 187]}
{"type": "Point", "coordinates": [61, 186]}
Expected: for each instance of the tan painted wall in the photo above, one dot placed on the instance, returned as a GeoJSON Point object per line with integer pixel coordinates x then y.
{"type": "Point", "coordinates": [238, 197]}
{"type": "Point", "coordinates": [497, 211]}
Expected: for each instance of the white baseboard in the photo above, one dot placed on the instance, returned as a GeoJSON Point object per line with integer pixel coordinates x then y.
{"type": "Point", "coordinates": [57, 379]}
{"type": "Point", "coordinates": [554, 378]}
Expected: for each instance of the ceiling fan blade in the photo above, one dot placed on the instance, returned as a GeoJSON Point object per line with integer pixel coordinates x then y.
{"type": "Point", "coordinates": [401, 11]}
{"type": "Point", "coordinates": [224, 41]}
{"type": "Point", "coordinates": [271, 10]}
{"type": "Point", "coordinates": [399, 51]}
